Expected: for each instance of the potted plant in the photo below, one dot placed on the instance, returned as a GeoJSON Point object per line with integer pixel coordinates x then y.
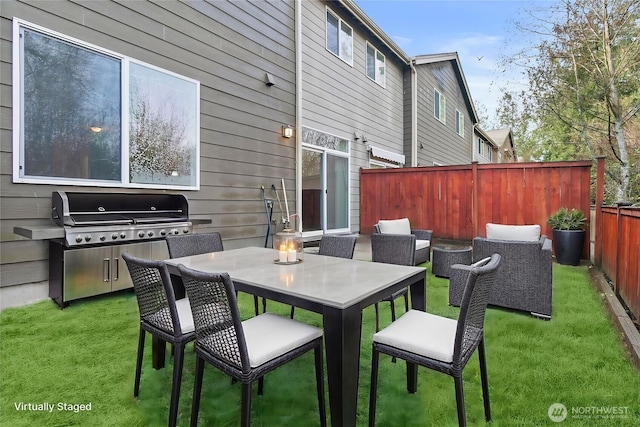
{"type": "Point", "coordinates": [568, 235]}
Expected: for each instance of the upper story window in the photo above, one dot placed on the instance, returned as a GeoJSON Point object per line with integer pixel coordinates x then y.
{"type": "Point", "coordinates": [87, 116]}
{"type": "Point", "coordinates": [376, 65]}
{"type": "Point", "coordinates": [339, 38]}
{"type": "Point", "coordinates": [459, 123]}
{"type": "Point", "coordinates": [439, 106]}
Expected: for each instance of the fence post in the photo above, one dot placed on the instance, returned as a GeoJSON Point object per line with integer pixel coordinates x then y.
{"type": "Point", "coordinates": [599, 200]}
{"type": "Point", "coordinates": [474, 198]}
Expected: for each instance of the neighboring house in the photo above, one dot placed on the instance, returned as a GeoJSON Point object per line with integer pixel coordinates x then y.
{"type": "Point", "coordinates": [484, 150]}
{"type": "Point", "coordinates": [445, 114]}
{"type": "Point", "coordinates": [503, 138]}
{"type": "Point", "coordinates": [82, 82]}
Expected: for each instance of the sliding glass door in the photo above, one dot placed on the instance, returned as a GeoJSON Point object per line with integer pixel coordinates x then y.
{"type": "Point", "coordinates": [325, 183]}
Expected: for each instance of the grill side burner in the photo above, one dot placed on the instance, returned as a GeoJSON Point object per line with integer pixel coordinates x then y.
{"type": "Point", "coordinates": [98, 228]}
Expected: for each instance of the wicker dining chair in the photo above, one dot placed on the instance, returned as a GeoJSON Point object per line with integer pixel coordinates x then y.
{"type": "Point", "coordinates": [440, 343]}
{"type": "Point", "coordinates": [162, 316]}
{"type": "Point", "coordinates": [393, 249]}
{"type": "Point", "coordinates": [246, 350]}
{"type": "Point", "coordinates": [340, 246]}
{"type": "Point", "coordinates": [182, 245]}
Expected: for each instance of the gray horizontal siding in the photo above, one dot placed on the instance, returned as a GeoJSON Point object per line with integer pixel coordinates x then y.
{"type": "Point", "coordinates": [228, 46]}
{"type": "Point", "coordinates": [341, 99]}
{"type": "Point", "coordinates": [441, 142]}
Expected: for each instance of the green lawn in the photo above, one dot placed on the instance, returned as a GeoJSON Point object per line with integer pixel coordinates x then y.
{"type": "Point", "coordinates": [86, 354]}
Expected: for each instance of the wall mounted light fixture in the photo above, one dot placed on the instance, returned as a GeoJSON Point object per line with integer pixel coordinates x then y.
{"type": "Point", "coordinates": [356, 136]}
{"type": "Point", "coordinates": [287, 131]}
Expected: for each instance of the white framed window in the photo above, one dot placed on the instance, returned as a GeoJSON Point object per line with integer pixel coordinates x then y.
{"type": "Point", "coordinates": [339, 38]}
{"type": "Point", "coordinates": [377, 164]}
{"type": "Point", "coordinates": [84, 115]}
{"type": "Point", "coordinates": [439, 106]}
{"type": "Point", "coordinates": [459, 123]}
{"type": "Point", "coordinates": [376, 65]}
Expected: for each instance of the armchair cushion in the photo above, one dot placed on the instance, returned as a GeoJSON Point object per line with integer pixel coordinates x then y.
{"type": "Point", "coordinates": [421, 244]}
{"type": "Point", "coordinates": [525, 233]}
{"type": "Point", "coordinates": [394, 226]}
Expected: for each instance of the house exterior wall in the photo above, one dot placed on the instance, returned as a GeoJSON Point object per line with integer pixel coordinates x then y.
{"type": "Point", "coordinates": [228, 47]}
{"type": "Point", "coordinates": [441, 144]}
{"type": "Point", "coordinates": [340, 99]}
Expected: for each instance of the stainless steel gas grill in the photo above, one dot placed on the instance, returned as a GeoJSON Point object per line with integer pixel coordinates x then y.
{"type": "Point", "coordinates": [98, 228]}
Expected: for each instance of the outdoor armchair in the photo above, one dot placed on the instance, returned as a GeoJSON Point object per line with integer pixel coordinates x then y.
{"type": "Point", "coordinates": [402, 226]}
{"type": "Point", "coordinates": [524, 280]}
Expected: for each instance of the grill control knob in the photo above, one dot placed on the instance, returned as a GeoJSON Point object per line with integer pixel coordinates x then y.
{"type": "Point", "coordinates": [87, 238]}
{"type": "Point", "coordinates": [163, 232]}
{"type": "Point", "coordinates": [102, 238]}
{"type": "Point", "coordinates": [114, 236]}
{"type": "Point", "coordinates": [123, 235]}
{"type": "Point", "coordinates": [141, 234]}
{"type": "Point", "coordinates": [174, 231]}
{"type": "Point", "coordinates": [150, 234]}
{"type": "Point", "coordinates": [79, 239]}
{"type": "Point", "coordinates": [185, 230]}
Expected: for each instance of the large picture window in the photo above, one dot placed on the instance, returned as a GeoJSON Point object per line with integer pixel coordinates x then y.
{"type": "Point", "coordinates": [87, 116]}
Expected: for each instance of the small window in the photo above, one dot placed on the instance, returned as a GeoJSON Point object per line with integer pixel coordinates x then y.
{"type": "Point", "coordinates": [376, 65]}
{"type": "Point", "coordinates": [459, 123]}
{"type": "Point", "coordinates": [479, 145]}
{"type": "Point", "coordinates": [439, 106]}
{"type": "Point", "coordinates": [339, 38]}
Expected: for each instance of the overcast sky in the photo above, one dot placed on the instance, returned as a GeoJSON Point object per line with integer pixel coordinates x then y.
{"type": "Point", "coordinates": [481, 31]}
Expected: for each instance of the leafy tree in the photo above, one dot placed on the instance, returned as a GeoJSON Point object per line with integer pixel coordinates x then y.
{"type": "Point", "coordinates": [584, 93]}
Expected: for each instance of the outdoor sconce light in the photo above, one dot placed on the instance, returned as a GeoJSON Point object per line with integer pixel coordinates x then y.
{"type": "Point", "coordinates": [364, 138]}
{"type": "Point", "coordinates": [356, 136]}
{"type": "Point", "coordinates": [287, 131]}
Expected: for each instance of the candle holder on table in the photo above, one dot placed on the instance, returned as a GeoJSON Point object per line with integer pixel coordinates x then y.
{"type": "Point", "coordinates": [288, 247]}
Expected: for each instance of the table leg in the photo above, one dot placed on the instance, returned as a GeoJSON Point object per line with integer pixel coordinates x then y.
{"type": "Point", "coordinates": [158, 348]}
{"type": "Point", "coordinates": [418, 302]}
{"type": "Point", "coordinates": [342, 335]}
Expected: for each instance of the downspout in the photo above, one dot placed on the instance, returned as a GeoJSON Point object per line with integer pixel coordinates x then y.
{"type": "Point", "coordinates": [298, 44]}
{"type": "Point", "coordinates": [414, 114]}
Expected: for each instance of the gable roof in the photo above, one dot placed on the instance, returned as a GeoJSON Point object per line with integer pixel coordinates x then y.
{"type": "Point", "coordinates": [462, 81]}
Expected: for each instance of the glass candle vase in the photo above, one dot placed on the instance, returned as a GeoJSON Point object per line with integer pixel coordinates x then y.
{"type": "Point", "coordinates": [288, 247]}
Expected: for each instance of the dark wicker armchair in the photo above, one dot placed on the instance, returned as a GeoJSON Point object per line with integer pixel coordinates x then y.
{"type": "Point", "coordinates": [401, 226]}
{"type": "Point", "coordinates": [524, 279]}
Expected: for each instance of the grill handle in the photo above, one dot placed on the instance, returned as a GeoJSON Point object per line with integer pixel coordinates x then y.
{"type": "Point", "coordinates": [116, 270]}
{"type": "Point", "coordinates": [106, 268]}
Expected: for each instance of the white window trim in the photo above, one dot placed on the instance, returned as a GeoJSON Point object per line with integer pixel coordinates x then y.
{"type": "Point", "coordinates": [340, 22]}
{"type": "Point", "coordinates": [124, 167]}
{"type": "Point", "coordinates": [443, 111]}
{"type": "Point", "coordinates": [375, 69]}
{"type": "Point", "coordinates": [383, 164]}
{"type": "Point", "coordinates": [460, 121]}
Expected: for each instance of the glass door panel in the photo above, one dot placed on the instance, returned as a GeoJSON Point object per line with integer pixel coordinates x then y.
{"type": "Point", "coordinates": [311, 190]}
{"type": "Point", "coordinates": [337, 194]}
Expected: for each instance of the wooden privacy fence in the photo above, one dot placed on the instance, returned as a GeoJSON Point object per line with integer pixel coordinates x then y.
{"type": "Point", "coordinates": [619, 252]}
{"type": "Point", "coordinates": [456, 202]}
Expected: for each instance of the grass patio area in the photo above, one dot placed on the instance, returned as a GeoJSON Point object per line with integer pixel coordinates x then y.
{"type": "Point", "coordinates": [86, 354]}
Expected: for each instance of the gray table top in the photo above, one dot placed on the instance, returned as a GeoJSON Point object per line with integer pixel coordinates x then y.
{"type": "Point", "coordinates": [331, 281]}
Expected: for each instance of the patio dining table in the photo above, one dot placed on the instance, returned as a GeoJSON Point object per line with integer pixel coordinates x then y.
{"type": "Point", "coordinates": [337, 288]}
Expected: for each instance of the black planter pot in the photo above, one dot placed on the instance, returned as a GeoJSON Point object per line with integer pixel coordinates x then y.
{"type": "Point", "coordinates": [567, 245]}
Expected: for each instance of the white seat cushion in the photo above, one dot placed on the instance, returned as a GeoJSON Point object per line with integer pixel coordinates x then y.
{"type": "Point", "coordinates": [421, 244]}
{"type": "Point", "coordinates": [421, 333]}
{"type": "Point", "coordinates": [269, 336]}
{"type": "Point", "coordinates": [185, 316]}
{"type": "Point", "coordinates": [523, 233]}
{"type": "Point", "coordinates": [394, 226]}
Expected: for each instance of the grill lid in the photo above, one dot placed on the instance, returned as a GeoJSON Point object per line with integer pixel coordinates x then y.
{"type": "Point", "coordinates": [82, 209]}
